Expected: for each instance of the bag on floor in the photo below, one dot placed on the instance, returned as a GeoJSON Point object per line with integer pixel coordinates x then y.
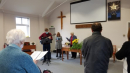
{"type": "Point", "coordinates": [47, 71]}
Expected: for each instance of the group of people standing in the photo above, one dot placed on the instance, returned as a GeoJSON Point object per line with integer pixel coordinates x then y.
{"type": "Point", "coordinates": [96, 50]}
{"type": "Point", "coordinates": [58, 46]}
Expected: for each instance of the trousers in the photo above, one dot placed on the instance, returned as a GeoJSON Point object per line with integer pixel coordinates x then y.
{"type": "Point", "coordinates": [46, 47]}
{"type": "Point", "coordinates": [74, 54]}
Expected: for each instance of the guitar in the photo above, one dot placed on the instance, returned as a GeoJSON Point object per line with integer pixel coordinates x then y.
{"type": "Point", "coordinates": [46, 39]}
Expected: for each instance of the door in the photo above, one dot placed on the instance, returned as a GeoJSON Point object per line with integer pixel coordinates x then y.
{"type": "Point", "coordinates": [52, 31]}
{"type": "Point", "coordinates": [128, 25]}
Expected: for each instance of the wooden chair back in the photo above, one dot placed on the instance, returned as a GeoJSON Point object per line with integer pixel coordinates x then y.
{"type": "Point", "coordinates": [114, 49]}
{"type": "Point", "coordinates": [114, 52]}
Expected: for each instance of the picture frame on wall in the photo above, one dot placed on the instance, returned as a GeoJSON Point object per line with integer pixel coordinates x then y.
{"type": "Point", "coordinates": [114, 10]}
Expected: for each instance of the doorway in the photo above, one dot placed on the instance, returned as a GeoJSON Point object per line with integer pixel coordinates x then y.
{"type": "Point", "coordinates": [128, 25]}
{"type": "Point", "coordinates": [52, 31]}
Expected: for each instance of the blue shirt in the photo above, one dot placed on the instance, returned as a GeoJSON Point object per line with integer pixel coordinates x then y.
{"type": "Point", "coordinates": [13, 60]}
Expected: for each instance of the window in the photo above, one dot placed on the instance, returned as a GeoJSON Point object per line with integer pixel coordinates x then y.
{"type": "Point", "coordinates": [23, 24]}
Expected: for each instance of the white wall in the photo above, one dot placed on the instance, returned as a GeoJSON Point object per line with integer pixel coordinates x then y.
{"type": "Point", "coordinates": [43, 23]}
{"type": "Point", "coordinates": [1, 31]}
{"type": "Point", "coordinates": [113, 30]}
{"type": "Point", "coordinates": [7, 22]}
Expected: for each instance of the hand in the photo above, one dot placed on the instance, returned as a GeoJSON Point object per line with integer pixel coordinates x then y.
{"type": "Point", "coordinates": [35, 61]}
{"type": "Point", "coordinates": [49, 37]}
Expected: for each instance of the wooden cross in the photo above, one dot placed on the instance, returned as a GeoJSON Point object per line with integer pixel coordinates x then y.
{"type": "Point", "coordinates": [61, 19]}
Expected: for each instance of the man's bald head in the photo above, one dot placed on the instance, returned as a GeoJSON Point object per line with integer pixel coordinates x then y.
{"type": "Point", "coordinates": [96, 27]}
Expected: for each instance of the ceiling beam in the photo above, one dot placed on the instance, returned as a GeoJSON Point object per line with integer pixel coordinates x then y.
{"type": "Point", "coordinates": [44, 13]}
{"type": "Point", "coordinates": [2, 3]}
{"type": "Point", "coordinates": [57, 6]}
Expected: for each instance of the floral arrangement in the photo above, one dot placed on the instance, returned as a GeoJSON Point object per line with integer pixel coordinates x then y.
{"type": "Point", "coordinates": [67, 43]}
{"type": "Point", "coordinates": [76, 45]}
{"type": "Point", "coordinates": [33, 43]}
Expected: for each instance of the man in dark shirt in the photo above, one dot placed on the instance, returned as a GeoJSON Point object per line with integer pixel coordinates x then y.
{"type": "Point", "coordinates": [96, 50]}
{"type": "Point", "coordinates": [46, 45]}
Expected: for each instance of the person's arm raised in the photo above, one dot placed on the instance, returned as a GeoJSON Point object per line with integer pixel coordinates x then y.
{"type": "Point", "coordinates": [67, 39]}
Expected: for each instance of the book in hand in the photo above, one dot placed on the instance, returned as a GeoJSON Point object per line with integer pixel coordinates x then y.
{"type": "Point", "coordinates": [37, 55]}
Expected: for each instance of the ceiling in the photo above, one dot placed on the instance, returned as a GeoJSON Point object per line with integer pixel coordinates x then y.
{"type": "Point", "coordinates": [34, 7]}
{"type": "Point", "coordinates": [38, 7]}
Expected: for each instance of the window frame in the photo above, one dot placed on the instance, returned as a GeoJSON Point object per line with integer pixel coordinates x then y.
{"type": "Point", "coordinates": [27, 25]}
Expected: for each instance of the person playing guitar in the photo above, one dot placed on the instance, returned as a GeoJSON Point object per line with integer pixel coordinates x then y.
{"type": "Point", "coordinates": [46, 45]}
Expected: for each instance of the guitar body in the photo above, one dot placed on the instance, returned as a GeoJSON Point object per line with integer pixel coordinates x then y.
{"type": "Point", "coordinates": [46, 39]}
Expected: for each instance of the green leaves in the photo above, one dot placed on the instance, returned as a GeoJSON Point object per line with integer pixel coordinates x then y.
{"type": "Point", "coordinates": [77, 46]}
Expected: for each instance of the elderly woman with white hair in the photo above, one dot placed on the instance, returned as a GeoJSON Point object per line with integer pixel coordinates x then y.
{"type": "Point", "coordinates": [12, 59]}
{"type": "Point", "coordinates": [72, 37]}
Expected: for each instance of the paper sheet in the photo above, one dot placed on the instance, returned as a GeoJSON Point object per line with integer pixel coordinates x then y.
{"type": "Point", "coordinates": [41, 55]}
{"type": "Point", "coordinates": [37, 55]}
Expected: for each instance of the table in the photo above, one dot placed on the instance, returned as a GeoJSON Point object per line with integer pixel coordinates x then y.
{"type": "Point", "coordinates": [29, 47]}
{"type": "Point", "coordinates": [67, 49]}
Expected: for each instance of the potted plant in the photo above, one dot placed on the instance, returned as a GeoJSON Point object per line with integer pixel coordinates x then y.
{"type": "Point", "coordinates": [76, 45]}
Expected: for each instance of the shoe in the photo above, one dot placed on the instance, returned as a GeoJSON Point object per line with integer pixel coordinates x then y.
{"type": "Point", "coordinates": [44, 61]}
{"type": "Point", "coordinates": [56, 55]}
{"type": "Point", "coordinates": [72, 57]}
{"type": "Point", "coordinates": [61, 58]}
{"type": "Point", "coordinates": [49, 61]}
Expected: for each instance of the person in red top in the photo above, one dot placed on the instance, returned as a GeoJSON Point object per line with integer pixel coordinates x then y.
{"type": "Point", "coordinates": [46, 45]}
{"type": "Point", "coordinates": [72, 37]}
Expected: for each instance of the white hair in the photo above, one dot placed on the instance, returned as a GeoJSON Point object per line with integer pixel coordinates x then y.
{"type": "Point", "coordinates": [15, 36]}
{"type": "Point", "coordinates": [72, 33]}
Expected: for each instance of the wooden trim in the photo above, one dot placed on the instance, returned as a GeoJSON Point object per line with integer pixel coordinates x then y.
{"type": "Point", "coordinates": [29, 47]}
{"type": "Point", "coordinates": [83, 26]}
{"type": "Point", "coordinates": [29, 53]}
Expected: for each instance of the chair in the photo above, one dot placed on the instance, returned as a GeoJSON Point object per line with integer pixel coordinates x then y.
{"type": "Point", "coordinates": [26, 43]}
{"type": "Point", "coordinates": [114, 52]}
